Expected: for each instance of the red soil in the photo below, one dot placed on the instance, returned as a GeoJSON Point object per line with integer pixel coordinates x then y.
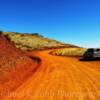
{"type": "Point", "coordinates": [60, 78]}
{"type": "Point", "coordinates": [15, 66]}
{"type": "Point", "coordinates": [57, 78]}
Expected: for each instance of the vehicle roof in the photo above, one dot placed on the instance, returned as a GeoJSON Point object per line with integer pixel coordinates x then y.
{"type": "Point", "coordinates": [95, 49]}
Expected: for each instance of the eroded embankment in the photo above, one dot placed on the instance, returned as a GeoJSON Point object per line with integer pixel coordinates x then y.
{"type": "Point", "coordinates": [15, 66]}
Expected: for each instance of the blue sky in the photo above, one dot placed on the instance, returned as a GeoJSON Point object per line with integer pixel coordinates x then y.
{"type": "Point", "coordinates": [70, 21]}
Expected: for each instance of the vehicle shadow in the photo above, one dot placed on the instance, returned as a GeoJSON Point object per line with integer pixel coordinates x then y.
{"type": "Point", "coordinates": [93, 59]}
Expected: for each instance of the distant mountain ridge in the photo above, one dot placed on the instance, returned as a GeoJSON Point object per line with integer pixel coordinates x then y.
{"type": "Point", "coordinates": [33, 41]}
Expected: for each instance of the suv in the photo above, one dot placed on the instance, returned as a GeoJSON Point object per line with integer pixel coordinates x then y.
{"type": "Point", "coordinates": [91, 53]}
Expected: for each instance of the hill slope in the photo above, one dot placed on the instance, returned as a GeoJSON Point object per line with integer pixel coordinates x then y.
{"type": "Point", "coordinates": [15, 66]}
{"type": "Point", "coordinates": [33, 41]}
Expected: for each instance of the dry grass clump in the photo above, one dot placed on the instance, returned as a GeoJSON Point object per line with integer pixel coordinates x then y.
{"type": "Point", "coordinates": [69, 52]}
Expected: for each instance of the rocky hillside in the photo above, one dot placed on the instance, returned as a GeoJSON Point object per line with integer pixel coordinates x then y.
{"type": "Point", "coordinates": [33, 41]}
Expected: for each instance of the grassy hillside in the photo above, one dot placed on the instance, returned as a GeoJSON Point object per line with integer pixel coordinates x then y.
{"type": "Point", "coordinates": [73, 52]}
{"type": "Point", "coordinates": [33, 41]}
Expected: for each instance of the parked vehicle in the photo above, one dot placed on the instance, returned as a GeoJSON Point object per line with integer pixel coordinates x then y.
{"type": "Point", "coordinates": [91, 54]}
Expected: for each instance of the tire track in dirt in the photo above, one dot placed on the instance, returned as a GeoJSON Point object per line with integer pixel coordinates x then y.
{"type": "Point", "coordinates": [89, 79]}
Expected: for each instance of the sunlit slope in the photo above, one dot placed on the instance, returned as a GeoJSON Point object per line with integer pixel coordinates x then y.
{"type": "Point", "coordinates": [72, 52]}
{"type": "Point", "coordinates": [33, 41]}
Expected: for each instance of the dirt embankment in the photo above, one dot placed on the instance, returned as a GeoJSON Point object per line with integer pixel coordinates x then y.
{"type": "Point", "coordinates": [15, 66]}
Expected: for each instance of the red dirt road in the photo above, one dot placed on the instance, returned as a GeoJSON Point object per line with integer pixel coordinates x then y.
{"type": "Point", "coordinates": [60, 78]}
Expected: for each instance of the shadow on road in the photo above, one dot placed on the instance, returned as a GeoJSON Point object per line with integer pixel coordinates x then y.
{"type": "Point", "coordinates": [37, 59]}
{"type": "Point", "coordinates": [92, 59]}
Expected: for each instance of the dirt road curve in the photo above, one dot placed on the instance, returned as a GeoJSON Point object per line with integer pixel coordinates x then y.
{"type": "Point", "coordinates": [60, 78]}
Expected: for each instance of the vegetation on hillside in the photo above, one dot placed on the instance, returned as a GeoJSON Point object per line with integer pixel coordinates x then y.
{"type": "Point", "coordinates": [32, 41]}
{"type": "Point", "coordinates": [69, 52]}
